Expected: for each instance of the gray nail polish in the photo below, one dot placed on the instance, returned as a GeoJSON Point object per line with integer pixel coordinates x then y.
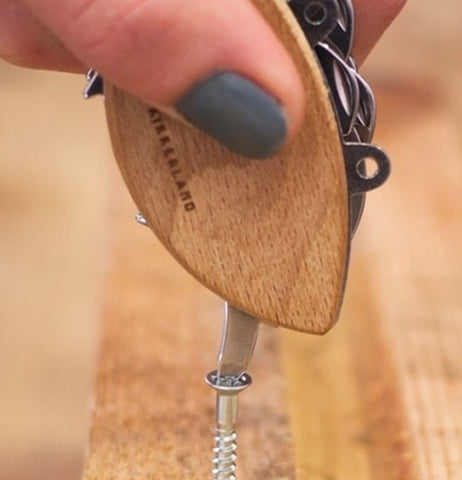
{"type": "Point", "coordinates": [238, 113]}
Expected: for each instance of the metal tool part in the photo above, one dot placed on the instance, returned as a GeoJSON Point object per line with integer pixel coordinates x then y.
{"type": "Point", "coordinates": [237, 346]}
{"type": "Point", "coordinates": [318, 17]}
{"type": "Point", "coordinates": [95, 84]}
{"type": "Point", "coordinates": [139, 218]}
{"type": "Point", "coordinates": [352, 97]}
{"type": "Point", "coordinates": [359, 181]}
{"type": "Point", "coordinates": [343, 34]}
{"type": "Point", "coordinates": [344, 86]}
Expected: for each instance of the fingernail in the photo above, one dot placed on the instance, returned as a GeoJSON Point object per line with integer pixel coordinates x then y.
{"type": "Point", "coordinates": [238, 113]}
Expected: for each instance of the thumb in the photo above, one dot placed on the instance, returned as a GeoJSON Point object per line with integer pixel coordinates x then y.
{"type": "Point", "coordinates": [218, 64]}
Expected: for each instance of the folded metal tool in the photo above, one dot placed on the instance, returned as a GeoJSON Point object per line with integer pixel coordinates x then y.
{"type": "Point", "coordinates": [270, 237]}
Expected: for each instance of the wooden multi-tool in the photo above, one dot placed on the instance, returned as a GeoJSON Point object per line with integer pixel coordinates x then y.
{"type": "Point", "coordinates": [271, 237]}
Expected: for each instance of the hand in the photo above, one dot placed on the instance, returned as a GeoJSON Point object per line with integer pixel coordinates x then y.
{"type": "Point", "coordinates": [161, 50]}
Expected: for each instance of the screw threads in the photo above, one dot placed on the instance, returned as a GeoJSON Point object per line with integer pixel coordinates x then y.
{"type": "Point", "coordinates": [225, 455]}
{"type": "Point", "coordinates": [227, 389]}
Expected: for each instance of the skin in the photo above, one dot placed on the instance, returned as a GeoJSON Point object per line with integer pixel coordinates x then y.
{"type": "Point", "coordinates": [139, 45]}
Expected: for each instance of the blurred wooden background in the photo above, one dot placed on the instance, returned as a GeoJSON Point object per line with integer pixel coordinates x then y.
{"type": "Point", "coordinates": [58, 183]}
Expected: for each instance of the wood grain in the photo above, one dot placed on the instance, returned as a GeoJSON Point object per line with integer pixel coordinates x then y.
{"type": "Point", "coordinates": [227, 219]}
{"type": "Point", "coordinates": [153, 416]}
{"type": "Point", "coordinates": [54, 223]}
{"type": "Point", "coordinates": [379, 397]}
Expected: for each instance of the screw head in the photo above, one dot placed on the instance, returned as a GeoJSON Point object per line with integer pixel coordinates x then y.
{"type": "Point", "coordinates": [228, 385]}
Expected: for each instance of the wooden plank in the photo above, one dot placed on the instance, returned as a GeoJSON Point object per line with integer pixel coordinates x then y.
{"type": "Point", "coordinates": [153, 415]}
{"type": "Point", "coordinates": [53, 173]}
{"type": "Point", "coordinates": [54, 163]}
{"type": "Point", "coordinates": [347, 410]}
{"type": "Point", "coordinates": [379, 397]}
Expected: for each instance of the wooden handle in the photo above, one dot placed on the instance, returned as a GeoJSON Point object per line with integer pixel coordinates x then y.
{"type": "Point", "coordinates": [271, 236]}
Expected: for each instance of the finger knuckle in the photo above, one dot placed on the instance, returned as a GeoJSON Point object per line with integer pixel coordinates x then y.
{"type": "Point", "coordinates": [121, 31]}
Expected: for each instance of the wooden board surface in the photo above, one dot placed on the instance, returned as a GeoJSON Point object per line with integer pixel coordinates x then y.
{"type": "Point", "coordinates": [55, 167]}
{"type": "Point", "coordinates": [153, 413]}
{"type": "Point", "coordinates": [379, 397]}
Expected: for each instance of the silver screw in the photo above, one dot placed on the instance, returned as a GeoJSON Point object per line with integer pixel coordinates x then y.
{"type": "Point", "coordinates": [228, 389]}
{"type": "Point", "coordinates": [237, 345]}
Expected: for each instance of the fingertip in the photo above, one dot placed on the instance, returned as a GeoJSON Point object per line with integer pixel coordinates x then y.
{"type": "Point", "coordinates": [159, 51]}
